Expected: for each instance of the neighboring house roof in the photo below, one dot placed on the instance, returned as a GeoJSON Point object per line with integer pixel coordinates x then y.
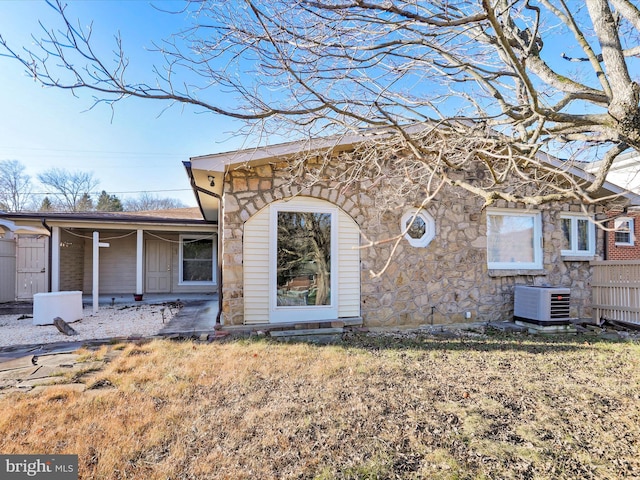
{"type": "Point", "coordinates": [189, 213]}
{"type": "Point", "coordinates": [625, 171]}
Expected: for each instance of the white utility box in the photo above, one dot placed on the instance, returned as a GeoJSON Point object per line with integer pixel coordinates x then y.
{"type": "Point", "coordinates": [47, 306]}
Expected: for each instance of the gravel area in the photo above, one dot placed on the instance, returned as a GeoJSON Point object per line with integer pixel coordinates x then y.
{"type": "Point", "coordinates": [109, 322]}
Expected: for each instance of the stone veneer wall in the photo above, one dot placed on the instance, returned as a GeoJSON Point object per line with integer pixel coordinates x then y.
{"type": "Point", "coordinates": [435, 284]}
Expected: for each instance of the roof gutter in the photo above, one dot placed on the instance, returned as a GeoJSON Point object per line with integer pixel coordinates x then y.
{"type": "Point", "coordinates": [196, 188]}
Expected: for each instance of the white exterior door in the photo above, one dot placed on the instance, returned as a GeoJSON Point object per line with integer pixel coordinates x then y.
{"type": "Point", "coordinates": [301, 263]}
{"type": "Point", "coordinates": [303, 269]}
{"type": "Point", "coordinates": [158, 266]}
{"type": "Point", "coordinates": [31, 259]}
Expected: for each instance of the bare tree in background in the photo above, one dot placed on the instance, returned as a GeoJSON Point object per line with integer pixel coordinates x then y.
{"type": "Point", "coordinates": [15, 186]}
{"type": "Point", "coordinates": [148, 201]}
{"type": "Point", "coordinates": [482, 84]}
{"type": "Point", "coordinates": [71, 189]}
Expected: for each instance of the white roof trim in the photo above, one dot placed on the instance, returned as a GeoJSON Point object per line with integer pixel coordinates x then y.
{"type": "Point", "coordinates": [219, 162]}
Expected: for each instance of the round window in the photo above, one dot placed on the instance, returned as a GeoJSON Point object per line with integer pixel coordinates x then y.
{"type": "Point", "coordinates": [418, 227]}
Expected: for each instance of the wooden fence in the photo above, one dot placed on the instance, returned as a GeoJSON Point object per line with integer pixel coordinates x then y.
{"type": "Point", "coordinates": [615, 290]}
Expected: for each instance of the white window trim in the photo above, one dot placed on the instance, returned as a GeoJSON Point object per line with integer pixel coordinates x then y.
{"type": "Point", "coordinates": [214, 253]}
{"type": "Point", "coordinates": [617, 223]}
{"type": "Point", "coordinates": [279, 314]}
{"type": "Point", "coordinates": [430, 227]}
{"type": "Point", "coordinates": [591, 233]}
{"type": "Point", "coordinates": [537, 263]}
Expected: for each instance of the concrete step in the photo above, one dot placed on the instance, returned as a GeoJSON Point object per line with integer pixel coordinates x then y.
{"type": "Point", "coordinates": [306, 331]}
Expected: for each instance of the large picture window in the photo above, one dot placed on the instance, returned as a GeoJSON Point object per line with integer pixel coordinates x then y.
{"type": "Point", "coordinates": [196, 260]}
{"type": "Point", "coordinates": [514, 239]}
{"type": "Point", "coordinates": [579, 235]}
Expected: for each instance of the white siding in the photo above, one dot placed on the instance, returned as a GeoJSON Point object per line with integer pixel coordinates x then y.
{"type": "Point", "coordinates": [256, 268]}
{"type": "Point", "coordinates": [349, 266]}
{"type": "Point", "coordinates": [256, 264]}
{"type": "Point", "coordinates": [117, 264]}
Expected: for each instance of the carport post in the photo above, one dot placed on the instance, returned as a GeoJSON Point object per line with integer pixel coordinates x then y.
{"type": "Point", "coordinates": [55, 259]}
{"type": "Point", "coordinates": [139, 264]}
{"type": "Point", "coordinates": [96, 270]}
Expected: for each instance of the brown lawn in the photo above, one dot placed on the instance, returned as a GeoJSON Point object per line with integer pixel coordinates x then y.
{"type": "Point", "coordinates": [374, 407]}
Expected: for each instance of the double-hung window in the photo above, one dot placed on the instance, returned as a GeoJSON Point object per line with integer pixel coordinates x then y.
{"type": "Point", "coordinates": [197, 260]}
{"type": "Point", "coordinates": [624, 231]}
{"type": "Point", "coordinates": [514, 239]}
{"type": "Point", "coordinates": [578, 235]}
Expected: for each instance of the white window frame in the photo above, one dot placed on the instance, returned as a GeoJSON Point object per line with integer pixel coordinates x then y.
{"type": "Point", "coordinates": [537, 262]}
{"type": "Point", "coordinates": [185, 238]}
{"type": "Point", "coordinates": [617, 223]}
{"type": "Point", "coordinates": [573, 250]}
{"type": "Point", "coordinates": [280, 314]}
{"type": "Point", "coordinates": [430, 227]}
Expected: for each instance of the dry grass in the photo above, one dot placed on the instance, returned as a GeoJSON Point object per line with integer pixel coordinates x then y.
{"type": "Point", "coordinates": [371, 408]}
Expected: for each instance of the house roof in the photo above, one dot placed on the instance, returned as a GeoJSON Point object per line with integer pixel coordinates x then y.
{"type": "Point", "coordinates": [172, 219]}
{"type": "Point", "coordinates": [191, 214]}
{"type": "Point", "coordinates": [207, 171]}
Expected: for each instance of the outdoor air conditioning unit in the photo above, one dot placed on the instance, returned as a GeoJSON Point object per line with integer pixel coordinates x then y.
{"type": "Point", "coordinates": [544, 306]}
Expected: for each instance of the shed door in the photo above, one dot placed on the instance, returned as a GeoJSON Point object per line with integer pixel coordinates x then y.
{"type": "Point", "coordinates": [158, 266]}
{"type": "Point", "coordinates": [31, 259]}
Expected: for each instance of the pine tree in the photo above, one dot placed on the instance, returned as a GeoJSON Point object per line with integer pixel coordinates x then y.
{"type": "Point", "coordinates": [46, 205]}
{"type": "Point", "coordinates": [108, 203]}
{"type": "Point", "coordinates": [85, 204]}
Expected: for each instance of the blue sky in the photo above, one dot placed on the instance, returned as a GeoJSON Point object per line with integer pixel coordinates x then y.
{"type": "Point", "coordinates": [139, 146]}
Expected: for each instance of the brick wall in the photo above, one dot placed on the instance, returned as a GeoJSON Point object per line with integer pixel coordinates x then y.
{"type": "Point", "coordinates": [623, 252]}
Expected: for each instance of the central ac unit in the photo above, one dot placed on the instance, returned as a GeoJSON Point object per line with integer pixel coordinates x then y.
{"type": "Point", "coordinates": [542, 305]}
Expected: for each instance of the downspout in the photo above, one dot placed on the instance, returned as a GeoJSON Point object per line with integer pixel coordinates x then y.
{"type": "Point", "coordinates": [187, 166]}
{"type": "Point", "coordinates": [49, 259]}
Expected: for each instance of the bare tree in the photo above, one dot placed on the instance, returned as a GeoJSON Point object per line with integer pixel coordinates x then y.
{"type": "Point", "coordinates": [148, 201]}
{"type": "Point", "coordinates": [15, 186]}
{"type": "Point", "coordinates": [473, 93]}
{"type": "Point", "coordinates": [72, 189]}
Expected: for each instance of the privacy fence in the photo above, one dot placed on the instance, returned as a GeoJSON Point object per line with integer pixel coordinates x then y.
{"type": "Point", "coordinates": [616, 290]}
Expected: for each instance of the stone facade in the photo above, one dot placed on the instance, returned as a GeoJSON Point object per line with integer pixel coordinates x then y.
{"type": "Point", "coordinates": [447, 281]}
